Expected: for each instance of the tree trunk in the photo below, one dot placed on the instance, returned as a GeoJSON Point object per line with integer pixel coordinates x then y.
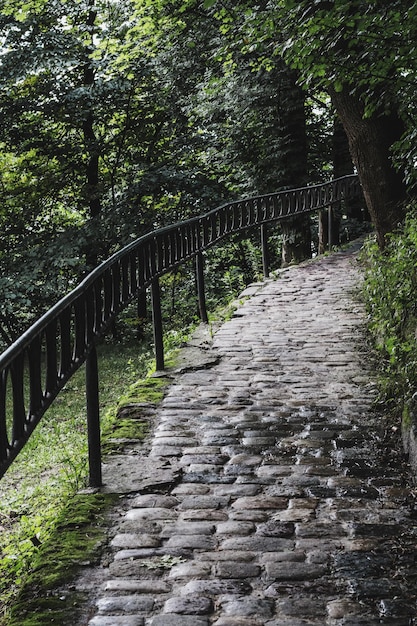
{"type": "Point", "coordinates": [296, 232]}
{"type": "Point", "coordinates": [296, 239]}
{"type": "Point", "coordinates": [92, 189]}
{"type": "Point", "coordinates": [370, 142]}
{"type": "Point", "coordinates": [353, 208]}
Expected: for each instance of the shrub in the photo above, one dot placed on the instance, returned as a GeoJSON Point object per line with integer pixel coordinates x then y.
{"type": "Point", "coordinates": [390, 296]}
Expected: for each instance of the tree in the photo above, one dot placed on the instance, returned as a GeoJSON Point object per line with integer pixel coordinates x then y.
{"type": "Point", "coordinates": [253, 117]}
{"type": "Point", "coordinates": [95, 149]}
{"type": "Point", "coordinates": [362, 54]}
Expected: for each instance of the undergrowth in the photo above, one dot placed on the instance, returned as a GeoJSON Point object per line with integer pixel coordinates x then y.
{"type": "Point", "coordinates": [390, 297]}
{"type": "Point", "coordinates": [52, 468]}
{"type": "Point", "coordinates": [75, 539]}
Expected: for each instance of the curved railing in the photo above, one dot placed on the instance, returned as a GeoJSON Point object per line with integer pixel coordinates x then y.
{"type": "Point", "coordinates": [35, 368]}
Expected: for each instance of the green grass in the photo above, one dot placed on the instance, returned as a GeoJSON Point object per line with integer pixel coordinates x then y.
{"type": "Point", "coordinates": [52, 468]}
{"type": "Point", "coordinates": [77, 538]}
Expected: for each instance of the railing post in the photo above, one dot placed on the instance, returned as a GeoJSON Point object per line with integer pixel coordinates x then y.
{"type": "Point", "coordinates": [329, 228]}
{"type": "Point", "coordinates": [93, 419]}
{"type": "Point", "coordinates": [265, 251]}
{"type": "Point", "coordinates": [157, 324]}
{"type": "Point", "coordinates": [199, 273]}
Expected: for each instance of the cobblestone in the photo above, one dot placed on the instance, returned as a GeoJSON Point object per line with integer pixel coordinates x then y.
{"type": "Point", "coordinates": [276, 504]}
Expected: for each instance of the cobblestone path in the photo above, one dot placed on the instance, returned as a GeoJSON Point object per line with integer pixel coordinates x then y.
{"type": "Point", "coordinates": [280, 505]}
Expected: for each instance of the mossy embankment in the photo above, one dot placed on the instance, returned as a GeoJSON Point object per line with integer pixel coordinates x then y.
{"type": "Point", "coordinates": [390, 296]}
{"type": "Point", "coordinates": [51, 525]}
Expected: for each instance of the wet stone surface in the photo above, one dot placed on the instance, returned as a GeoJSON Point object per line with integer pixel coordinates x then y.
{"type": "Point", "coordinates": [265, 496]}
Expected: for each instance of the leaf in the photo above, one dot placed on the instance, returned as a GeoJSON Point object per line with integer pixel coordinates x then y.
{"type": "Point", "coordinates": [209, 3]}
{"type": "Point", "coordinates": [338, 86]}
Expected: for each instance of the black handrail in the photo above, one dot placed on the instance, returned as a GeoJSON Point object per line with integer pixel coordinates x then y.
{"type": "Point", "coordinates": [43, 359]}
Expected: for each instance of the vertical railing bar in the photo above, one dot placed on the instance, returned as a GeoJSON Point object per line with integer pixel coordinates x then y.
{"type": "Point", "coordinates": [157, 324]}
{"type": "Point", "coordinates": [265, 250]}
{"type": "Point", "coordinates": [159, 254]}
{"type": "Point", "coordinates": [329, 226]}
{"type": "Point", "coordinates": [196, 237]}
{"type": "Point", "coordinates": [108, 295]}
{"type": "Point", "coordinates": [176, 244]}
{"type": "Point", "coordinates": [199, 270]}
{"type": "Point", "coordinates": [167, 251]}
{"type": "Point", "coordinates": [90, 316]}
{"type": "Point", "coordinates": [115, 281]}
{"type": "Point", "coordinates": [257, 212]}
{"type": "Point", "coordinates": [98, 305]}
{"type": "Point", "coordinates": [222, 227]}
{"type": "Point", "coordinates": [16, 372]}
{"type": "Point", "coordinates": [213, 228]}
{"type": "Point", "coordinates": [51, 357]}
{"type": "Point", "coordinates": [252, 212]}
{"type": "Point", "coordinates": [4, 440]}
{"type": "Point", "coordinates": [35, 382]}
{"type": "Point", "coordinates": [125, 290]}
{"type": "Point", "coordinates": [152, 259]}
{"type": "Point", "coordinates": [185, 242]}
{"type": "Point", "coordinates": [93, 419]}
{"type": "Point", "coordinates": [65, 332]}
{"type": "Point", "coordinates": [80, 325]}
{"type": "Point", "coordinates": [133, 260]}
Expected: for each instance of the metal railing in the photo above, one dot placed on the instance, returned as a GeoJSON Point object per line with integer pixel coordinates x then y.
{"type": "Point", "coordinates": [36, 367]}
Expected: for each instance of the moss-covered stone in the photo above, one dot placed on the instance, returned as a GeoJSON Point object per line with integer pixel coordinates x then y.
{"type": "Point", "coordinates": [130, 422]}
{"type": "Point", "coordinates": [77, 539]}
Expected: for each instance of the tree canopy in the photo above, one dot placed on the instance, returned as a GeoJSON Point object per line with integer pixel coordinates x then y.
{"type": "Point", "coordinates": [122, 116]}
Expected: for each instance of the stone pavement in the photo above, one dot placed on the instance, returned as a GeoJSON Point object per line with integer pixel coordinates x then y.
{"type": "Point", "coordinates": [267, 496]}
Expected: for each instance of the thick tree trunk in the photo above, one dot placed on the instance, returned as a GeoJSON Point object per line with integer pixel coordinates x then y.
{"type": "Point", "coordinates": [370, 143]}
{"type": "Point", "coordinates": [296, 232]}
{"type": "Point", "coordinates": [296, 239]}
{"type": "Point", "coordinates": [353, 208]}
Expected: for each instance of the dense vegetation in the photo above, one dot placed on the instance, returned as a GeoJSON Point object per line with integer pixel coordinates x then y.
{"type": "Point", "coordinates": [390, 298]}
{"type": "Point", "coordinates": [120, 117]}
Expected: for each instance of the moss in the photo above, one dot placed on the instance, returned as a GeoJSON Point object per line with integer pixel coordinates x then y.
{"type": "Point", "coordinates": [77, 539]}
{"type": "Point", "coordinates": [130, 421]}
{"type": "Point", "coordinates": [149, 390]}
{"type": "Point", "coordinates": [406, 417]}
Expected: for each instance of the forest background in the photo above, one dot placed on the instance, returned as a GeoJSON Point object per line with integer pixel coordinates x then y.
{"type": "Point", "coordinates": [121, 117]}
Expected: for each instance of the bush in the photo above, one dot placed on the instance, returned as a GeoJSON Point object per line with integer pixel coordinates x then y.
{"type": "Point", "coordinates": [391, 302]}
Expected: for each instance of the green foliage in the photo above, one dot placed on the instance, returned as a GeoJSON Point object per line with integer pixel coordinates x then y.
{"type": "Point", "coordinates": [390, 289]}
{"type": "Point", "coordinates": [364, 48]}
{"type": "Point", "coordinates": [77, 537]}
{"type": "Point", "coordinates": [356, 43]}
{"type": "Point", "coordinates": [53, 467]}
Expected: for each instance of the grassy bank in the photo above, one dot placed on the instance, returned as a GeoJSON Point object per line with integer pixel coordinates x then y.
{"type": "Point", "coordinates": [41, 515]}
{"type": "Point", "coordinates": [390, 295]}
